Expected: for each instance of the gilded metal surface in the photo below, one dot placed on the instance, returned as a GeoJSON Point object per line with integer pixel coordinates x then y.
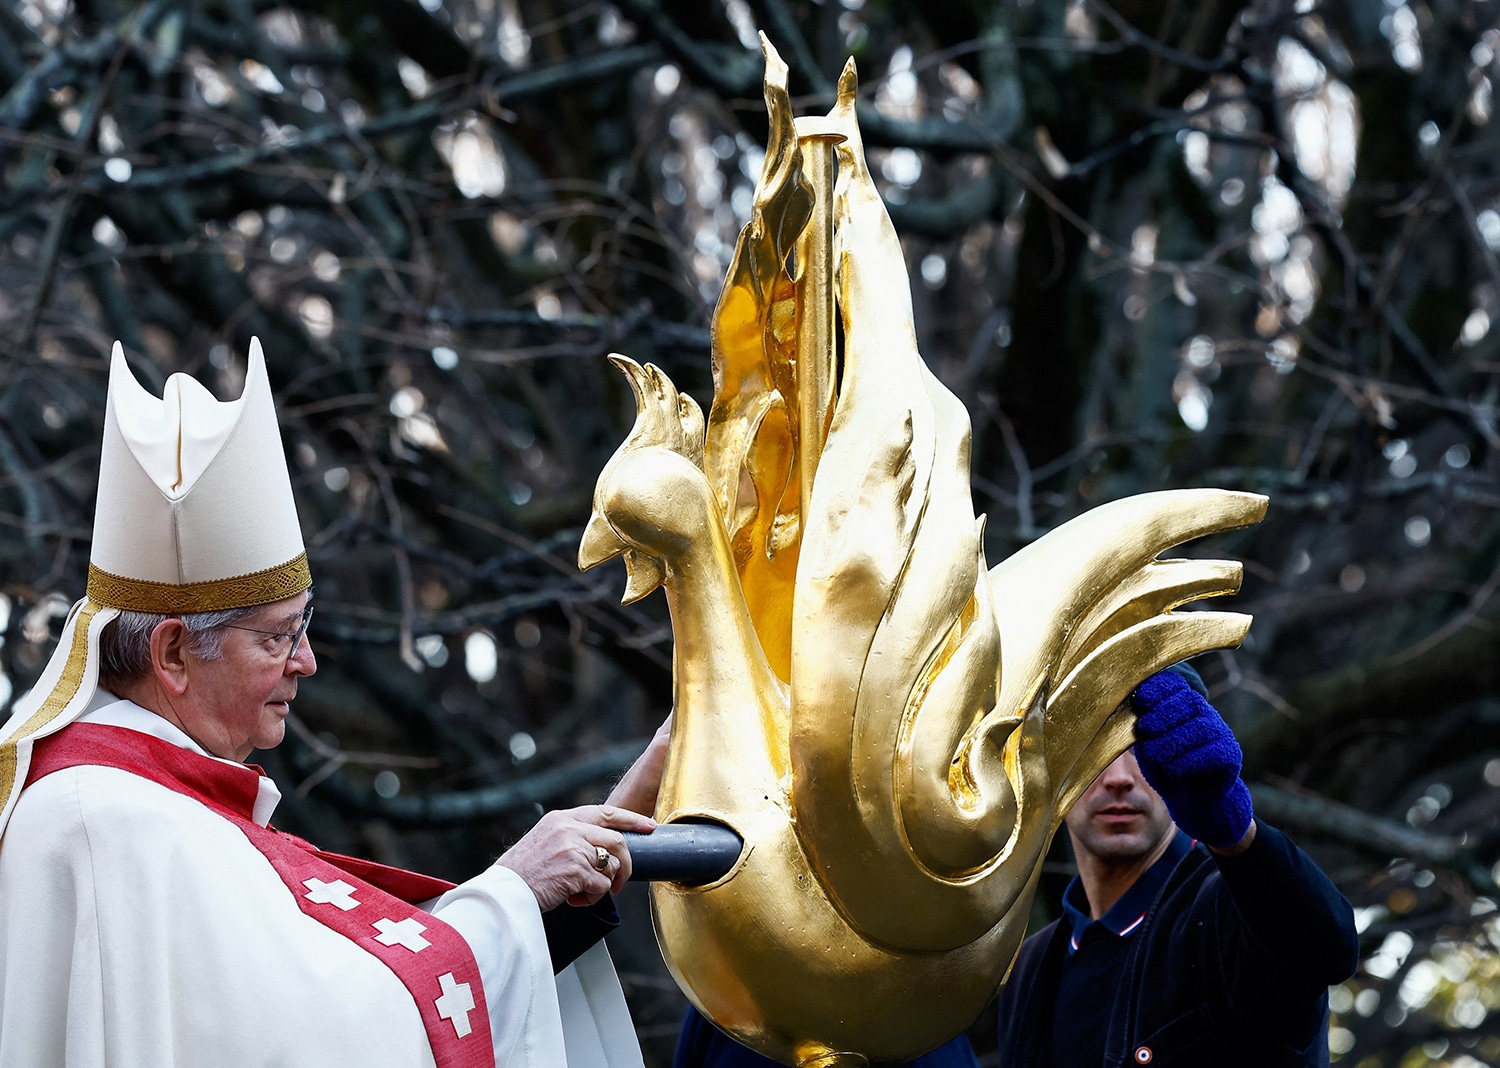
{"type": "Point", "coordinates": [894, 730]}
{"type": "Point", "coordinates": [815, 301]}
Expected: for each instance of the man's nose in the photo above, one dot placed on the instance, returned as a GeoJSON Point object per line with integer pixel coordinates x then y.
{"type": "Point", "coordinates": [302, 661]}
{"type": "Point", "coordinates": [1118, 777]}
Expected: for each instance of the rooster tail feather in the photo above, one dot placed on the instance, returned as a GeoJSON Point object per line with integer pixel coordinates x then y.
{"type": "Point", "coordinates": [1154, 590]}
{"type": "Point", "coordinates": [1076, 748]}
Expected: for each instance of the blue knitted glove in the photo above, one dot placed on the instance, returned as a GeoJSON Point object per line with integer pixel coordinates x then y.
{"type": "Point", "coordinates": [1188, 754]}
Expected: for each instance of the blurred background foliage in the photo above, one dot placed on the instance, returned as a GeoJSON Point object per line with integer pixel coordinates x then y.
{"type": "Point", "coordinates": [1245, 244]}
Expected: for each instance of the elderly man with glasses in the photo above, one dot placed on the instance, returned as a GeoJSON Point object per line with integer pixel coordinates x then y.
{"type": "Point", "coordinates": [149, 911]}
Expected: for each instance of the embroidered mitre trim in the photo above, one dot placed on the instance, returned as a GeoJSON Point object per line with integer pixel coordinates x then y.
{"type": "Point", "coordinates": [166, 598]}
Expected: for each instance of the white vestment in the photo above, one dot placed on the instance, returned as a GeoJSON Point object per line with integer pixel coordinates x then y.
{"type": "Point", "coordinates": [140, 928]}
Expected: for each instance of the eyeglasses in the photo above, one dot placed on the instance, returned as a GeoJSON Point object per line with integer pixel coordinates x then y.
{"type": "Point", "coordinates": [291, 640]}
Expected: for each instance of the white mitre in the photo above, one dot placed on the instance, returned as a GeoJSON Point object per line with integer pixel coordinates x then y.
{"type": "Point", "coordinates": [194, 514]}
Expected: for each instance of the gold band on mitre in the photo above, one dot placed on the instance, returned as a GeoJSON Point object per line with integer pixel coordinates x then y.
{"type": "Point", "coordinates": [216, 595]}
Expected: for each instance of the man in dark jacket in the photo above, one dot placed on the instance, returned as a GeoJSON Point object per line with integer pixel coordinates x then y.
{"type": "Point", "coordinates": [702, 1045]}
{"type": "Point", "coordinates": [1193, 934]}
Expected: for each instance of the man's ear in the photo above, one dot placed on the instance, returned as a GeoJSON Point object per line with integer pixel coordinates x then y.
{"type": "Point", "coordinates": [170, 656]}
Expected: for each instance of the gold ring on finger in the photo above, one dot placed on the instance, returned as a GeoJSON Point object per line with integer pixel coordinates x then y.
{"type": "Point", "coordinates": [601, 858]}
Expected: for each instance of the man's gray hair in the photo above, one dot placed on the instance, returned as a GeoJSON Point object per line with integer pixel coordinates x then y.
{"type": "Point", "coordinates": [125, 645]}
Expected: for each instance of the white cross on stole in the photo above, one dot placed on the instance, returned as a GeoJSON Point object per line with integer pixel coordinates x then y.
{"type": "Point", "coordinates": [338, 893]}
{"type": "Point", "coordinates": [455, 1004]}
{"type": "Point", "coordinates": [407, 933]}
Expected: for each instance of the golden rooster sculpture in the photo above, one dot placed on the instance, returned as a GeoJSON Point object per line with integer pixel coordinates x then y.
{"type": "Point", "coordinates": [894, 731]}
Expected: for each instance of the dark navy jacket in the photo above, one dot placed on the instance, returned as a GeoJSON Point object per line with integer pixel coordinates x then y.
{"type": "Point", "coordinates": [702, 1045]}
{"type": "Point", "coordinates": [1230, 966]}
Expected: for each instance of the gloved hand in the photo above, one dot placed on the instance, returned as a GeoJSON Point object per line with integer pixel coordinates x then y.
{"type": "Point", "coordinates": [1189, 755]}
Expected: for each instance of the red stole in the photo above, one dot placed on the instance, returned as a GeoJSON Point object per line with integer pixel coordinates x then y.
{"type": "Point", "coordinates": [370, 904]}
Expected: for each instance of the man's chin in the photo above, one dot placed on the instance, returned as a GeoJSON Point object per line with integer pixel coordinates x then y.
{"type": "Point", "coordinates": [272, 734]}
{"type": "Point", "coordinates": [1120, 846]}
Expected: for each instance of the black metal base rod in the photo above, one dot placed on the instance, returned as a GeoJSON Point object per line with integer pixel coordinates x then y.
{"type": "Point", "coordinates": [692, 854]}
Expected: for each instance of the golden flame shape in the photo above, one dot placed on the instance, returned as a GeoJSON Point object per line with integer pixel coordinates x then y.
{"type": "Point", "coordinates": [895, 731]}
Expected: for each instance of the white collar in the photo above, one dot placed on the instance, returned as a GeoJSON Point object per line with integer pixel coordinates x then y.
{"type": "Point", "coordinates": [114, 711]}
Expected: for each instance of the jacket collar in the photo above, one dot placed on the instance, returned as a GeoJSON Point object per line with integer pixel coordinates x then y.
{"type": "Point", "coordinates": [1126, 914]}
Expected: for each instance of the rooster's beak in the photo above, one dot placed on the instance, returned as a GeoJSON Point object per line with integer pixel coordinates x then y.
{"type": "Point", "coordinates": [598, 544]}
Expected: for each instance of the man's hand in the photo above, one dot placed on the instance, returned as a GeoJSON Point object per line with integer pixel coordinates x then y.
{"type": "Point", "coordinates": [638, 787]}
{"type": "Point", "coordinates": [1189, 755]}
{"type": "Point", "coordinates": [559, 857]}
